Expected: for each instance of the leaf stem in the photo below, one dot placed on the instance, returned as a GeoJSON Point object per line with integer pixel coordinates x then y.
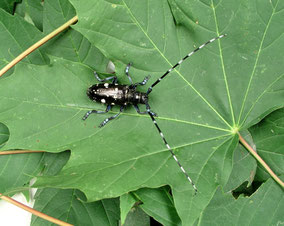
{"type": "Point", "coordinates": [18, 152]}
{"type": "Point", "coordinates": [37, 45]}
{"type": "Point", "coordinates": [34, 212]}
{"type": "Point", "coordinates": [261, 161]}
{"type": "Point", "coordinates": [3, 71]}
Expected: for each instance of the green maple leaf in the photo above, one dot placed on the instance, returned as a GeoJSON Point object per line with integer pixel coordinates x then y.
{"type": "Point", "coordinates": [105, 212]}
{"type": "Point", "coordinates": [8, 5]}
{"type": "Point", "coordinates": [228, 86]}
{"type": "Point", "coordinates": [267, 199]}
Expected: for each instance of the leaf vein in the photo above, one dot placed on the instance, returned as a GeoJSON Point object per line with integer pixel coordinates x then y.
{"type": "Point", "coordinates": [254, 67]}
{"type": "Point", "coordinates": [163, 56]}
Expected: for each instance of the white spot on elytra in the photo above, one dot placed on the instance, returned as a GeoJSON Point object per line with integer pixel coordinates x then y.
{"type": "Point", "coordinates": [103, 101]}
{"type": "Point", "coordinates": [106, 85]}
{"type": "Point", "coordinates": [116, 89]}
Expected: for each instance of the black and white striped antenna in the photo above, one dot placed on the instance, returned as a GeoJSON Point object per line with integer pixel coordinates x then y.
{"type": "Point", "coordinates": [151, 114]}
{"type": "Point", "coordinates": [183, 59]}
{"type": "Point", "coordinates": [172, 153]}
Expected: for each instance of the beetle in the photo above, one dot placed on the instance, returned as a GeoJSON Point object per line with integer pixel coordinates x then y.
{"type": "Point", "coordinates": [123, 95]}
{"type": "Point", "coordinates": [116, 94]}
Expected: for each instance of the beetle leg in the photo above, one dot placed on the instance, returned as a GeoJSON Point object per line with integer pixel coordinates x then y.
{"type": "Point", "coordinates": [105, 79]}
{"type": "Point", "coordinates": [112, 117]}
{"type": "Point", "coordinates": [148, 109]}
{"type": "Point", "coordinates": [96, 112]}
{"type": "Point", "coordinates": [127, 72]}
{"type": "Point", "coordinates": [143, 82]}
{"type": "Point", "coordinates": [143, 112]}
{"type": "Point", "coordinates": [130, 80]}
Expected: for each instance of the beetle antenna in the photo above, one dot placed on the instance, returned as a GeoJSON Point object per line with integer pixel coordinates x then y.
{"type": "Point", "coordinates": [172, 153]}
{"type": "Point", "coordinates": [183, 59]}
